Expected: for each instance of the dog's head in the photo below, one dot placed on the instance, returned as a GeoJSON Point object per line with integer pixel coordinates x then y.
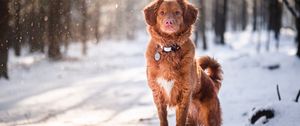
{"type": "Point", "coordinates": [170, 16]}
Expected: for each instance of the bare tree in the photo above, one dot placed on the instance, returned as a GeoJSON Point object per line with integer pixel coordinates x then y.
{"type": "Point", "coordinates": [66, 23]}
{"type": "Point", "coordinates": [4, 19]}
{"type": "Point", "coordinates": [97, 21]}
{"type": "Point", "coordinates": [296, 13]}
{"type": "Point", "coordinates": [200, 25]}
{"type": "Point", "coordinates": [54, 29]}
{"type": "Point", "coordinates": [220, 20]}
{"type": "Point", "coordinates": [274, 20]}
{"type": "Point", "coordinates": [83, 10]}
{"type": "Point", "coordinates": [244, 14]}
{"type": "Point", "coordinates": [254, 15]}
{"type": "Point", "coordinates": [18, 33]}
{"type": "Point", "coordinates": [31, 30]}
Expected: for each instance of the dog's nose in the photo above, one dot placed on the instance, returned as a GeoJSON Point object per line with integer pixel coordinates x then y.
{"type": "Point", "coordinates": [169, 22]}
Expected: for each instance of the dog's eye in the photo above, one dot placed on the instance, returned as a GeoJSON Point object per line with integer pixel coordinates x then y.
{"type": "Point", "coordinates": [162, 13]}
{"type": "Point", "coordinates": [177, 13]}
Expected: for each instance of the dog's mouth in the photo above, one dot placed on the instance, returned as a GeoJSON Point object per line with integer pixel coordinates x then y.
{"type": "Point", "coordinates": [169, 29]}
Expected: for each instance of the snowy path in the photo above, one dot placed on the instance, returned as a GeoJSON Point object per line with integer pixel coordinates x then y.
{"type": "Point", "coordinates": [108, 87]}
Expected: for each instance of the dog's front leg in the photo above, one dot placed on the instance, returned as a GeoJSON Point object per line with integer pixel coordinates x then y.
{"type": "Point", "coordinates": [159, 100]}
{"type": "Point", "coordinates": [182, 109]}
{"type": "Point", "coordinates": [161, 107]}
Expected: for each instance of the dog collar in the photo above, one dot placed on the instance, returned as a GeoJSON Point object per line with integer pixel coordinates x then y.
{"type": "Point", "coordinates": [165, 49]}
{"type": "Point", "coordinates": [171, 48]}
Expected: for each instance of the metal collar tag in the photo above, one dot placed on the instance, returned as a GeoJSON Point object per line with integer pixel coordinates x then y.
{"type": "Point", "coordinates": [167, 49]}
{"type": "Point", "coordinates": [157, 56]}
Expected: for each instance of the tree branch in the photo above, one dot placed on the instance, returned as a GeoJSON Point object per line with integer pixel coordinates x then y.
{"type": "Point", "coordinates": [293, 12]}
{"type": "Point", "coordinates": [278, 93]}
{"type": "Point", "coordinates": [298, 95]}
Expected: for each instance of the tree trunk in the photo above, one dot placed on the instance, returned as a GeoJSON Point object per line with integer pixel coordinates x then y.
{"type": "Point", "coordinates": [297, 2]}
{"type": "Point", "coordinates": [220, 21]}
{"type": "Point", "coordinates": [33, 42]}
{"type": "Point", "coordinates": [254, 15]}
{"type": "Point", "coordinates": [216, 21]}
{"type": "Point", "coordinates": [66, 24]}
{"type": "Point", "coordinates": [197, 25]}
{"type": "Point", "coordinates": [97, 22]}
{"type": "Point", "coordinates": [4, 19]}
{"type": "Point", "coordinates": [18, 33]}
{"type": "Point", "coordinates": [203, 24]}
{"type": "Point", "coordinates": [129, 27]}
{"type": "Point", "coordinates": [274, 20]}
{"type": "Point", "coordinates": [298, 35]}
{"type": "Point", "coordinates": [223, 23]}
{"type": "Point", "coordinates": [244, 15]}
{"type": "Point", "coordinates": [235, 17]}
{"type": "Point", "coordinates": [54, 30]}
{"type": "Point", "coordinates": [42, 27]}
{"type": "Point", "coordinates": [84, 27]}
{"type": "Point", "coordinates": [36, 34]}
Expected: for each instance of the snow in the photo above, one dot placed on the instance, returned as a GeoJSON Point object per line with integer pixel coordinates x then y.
{"type": "Point", "coordinates": [108, 86]}
{"type": "Point", "coordinates": [286, 114]}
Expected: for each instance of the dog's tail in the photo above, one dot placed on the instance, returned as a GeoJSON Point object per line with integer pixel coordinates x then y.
{"type": "Point", "coordinates": [213, 69]}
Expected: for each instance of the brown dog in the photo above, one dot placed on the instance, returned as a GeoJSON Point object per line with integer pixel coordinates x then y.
{"type": "Point", "coordinates": [175, 77]}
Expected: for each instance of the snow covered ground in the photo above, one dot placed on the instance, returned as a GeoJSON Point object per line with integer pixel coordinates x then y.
{"type": "Point", "coordinates": [108, 86]}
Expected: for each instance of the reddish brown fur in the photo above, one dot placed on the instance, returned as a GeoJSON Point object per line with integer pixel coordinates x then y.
{"type": "Point", "coordinates": [194, 93]}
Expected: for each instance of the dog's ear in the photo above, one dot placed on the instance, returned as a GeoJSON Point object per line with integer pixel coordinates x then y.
{"type": "Point", "coordinates": [150, 12]}
{"type": "Point", "coordinates": [190, 14]}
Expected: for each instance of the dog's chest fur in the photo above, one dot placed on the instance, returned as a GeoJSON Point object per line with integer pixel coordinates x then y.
{"type": "Point", "coordinates": [167, 85]}
{"type": "Point", "coordinates": [168, 72]}
{"type": "Point", "coordinates": [170, 59]}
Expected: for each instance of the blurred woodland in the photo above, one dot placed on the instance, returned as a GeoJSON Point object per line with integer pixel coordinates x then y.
{"type": "Point", "coordinates": [49, 26]}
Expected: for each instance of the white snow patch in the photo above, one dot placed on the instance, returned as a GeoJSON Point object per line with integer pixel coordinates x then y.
{"type": "Point", "coordinates": [286, 113]}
